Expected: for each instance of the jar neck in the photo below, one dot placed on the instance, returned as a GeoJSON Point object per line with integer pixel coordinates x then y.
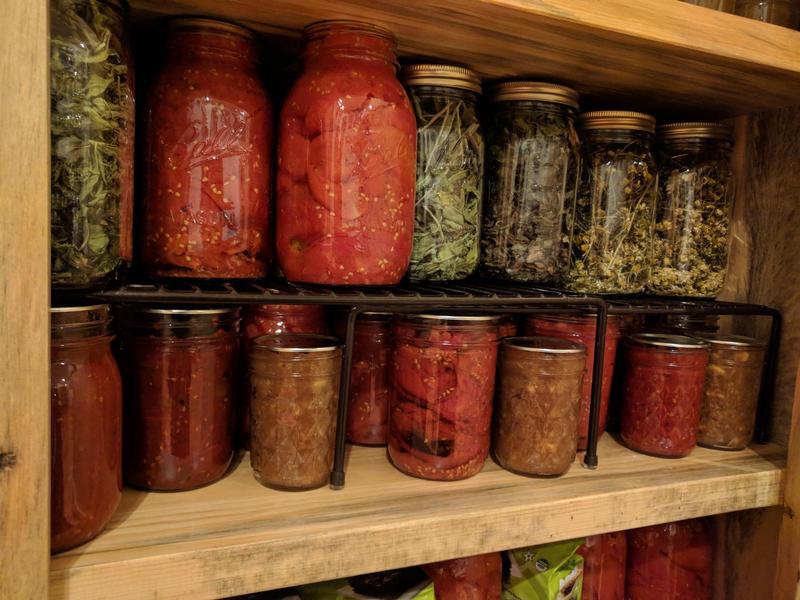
{"type": "Point", "coordinates": [440, 91]}
{"type": "Point", "coordinates": [618, 136]}
{"type": "Point", "coordinates": [208, 44]}
{"type": "Point", "coordinates": [96, 343]}
{"type": "Point", "coordinates": [339, 42]}
{"type": "Point", "coordinates": [534, 106]}
{"type": "Point", "coordinates": [708, 149]}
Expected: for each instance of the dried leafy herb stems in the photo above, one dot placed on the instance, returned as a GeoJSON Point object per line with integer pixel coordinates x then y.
{"type": "Point", "coordinates": [692, 216]}
{"type": "Point", "coordinates": [612, 230]}
{"type": "Point", "coordinates": [449, 185]}
{"type": "Point", "coordinates": [532, 167]}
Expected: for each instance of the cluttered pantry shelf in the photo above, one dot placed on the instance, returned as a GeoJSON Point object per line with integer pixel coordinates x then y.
{"type": "Point", "coordinates": [236, 537]}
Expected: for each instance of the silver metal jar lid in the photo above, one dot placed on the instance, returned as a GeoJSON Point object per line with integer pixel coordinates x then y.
{"type": "Point", "coordinates": [546, 345]}
{"type": "Point", "coordinates": [455, 316]}
{"type": "Point", "coordinates": [667, 340]}
{"type": "Point", "coordinates": [296, 342]}
{"type": "Point", "coordinates": [724, 339]}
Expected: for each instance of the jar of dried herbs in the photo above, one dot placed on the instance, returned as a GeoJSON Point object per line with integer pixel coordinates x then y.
{"type": "Point", "coordinates": [532, 167]}
{"type": "Point", "coordinates": [91, 133]}
{"type": "Point", "coordinates": [449, 187]}
{"type": "Point", "coordinates": [612, 229]}
{"type": "Point", "coordinates": [692, 214]}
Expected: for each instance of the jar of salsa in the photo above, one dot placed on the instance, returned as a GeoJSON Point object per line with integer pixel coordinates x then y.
{"type": "Point", "coordinates": [733, 382]}
{"type": "Point", "coordinates": [294, 395]}
{"type": "Point", "coordinates": [208, 134]}
{"type": "Point", "coordinates": [346, 161]}
{"type": "Point", "coordinates": [471, 578]}
{"type": "Point", "coordinates": [538, 395]}
{"type": "Point", "coordinates": [662, 392]}
{"type": "Point", "coordinates": [604, 558]}
{"type": "Point", "coordinates": [670, 561]}
{"type": "Point", "coordinates": [179, 368]}
{"type": "Point", "coordinates": [85, 425]}
{"type": "Point", "coordinates": [443, 383]}
{"type": "Point", "coordinates": [582, 329]}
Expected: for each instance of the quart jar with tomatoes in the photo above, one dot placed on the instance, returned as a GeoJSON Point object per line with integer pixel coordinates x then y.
{"type": "Point", "coordinates": [604, 558]}
{"type": "Point", "coordinates": [86, 425]}
{"type": "Point", "coordinates": [208, 134]}
{"type": "Point", "coordinates": [346, 161]}
{"type": "Point", "coordinates": [443, 384]}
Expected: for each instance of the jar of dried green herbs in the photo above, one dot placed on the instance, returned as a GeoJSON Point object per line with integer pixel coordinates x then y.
{"type": "Point", "coordinates": [692, 214]}
{"type": "Point", "coordinates": [449, 186]}
{"type": "Point", "coordinates": [612, 230]}
{"type": "Point", "coordinates": [532, 170]}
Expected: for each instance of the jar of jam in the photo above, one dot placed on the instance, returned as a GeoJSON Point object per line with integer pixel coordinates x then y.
{"type": "Point", "coordinates": [85, 425]}
{"type": "Point", "coordinates": [604, 558]}
{"type": "Point", "coordinates": [733, 383]}
{"type": "Point", "coordinates": [208, 134]}
{"type": "Point", "coordinates": [443, 383]}
{"type": "Point", "coordinates": [179, 368]}
{"type": "Point", "coordinates": [670, 561]}
{"type": "Point", "coordinates": [294, 394]}
{"type": "Point", "coordinates": [346, 161]}
{"type": "Point", "coordinates": [471, 578]}
{"type": "Point", "coordinates": [662, 393]}
{"type": "Point", "coordinates": [538, 397]}
{"type": "Point", "coordinates": [582, 329]}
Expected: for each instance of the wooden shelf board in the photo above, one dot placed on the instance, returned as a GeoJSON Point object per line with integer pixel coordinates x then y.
{"type": "Point", "coordinates": [661, 55]}
{"type": "Point", "coordinates": [237, 537]}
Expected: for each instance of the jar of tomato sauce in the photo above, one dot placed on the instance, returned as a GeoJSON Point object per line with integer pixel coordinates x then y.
{"type": "Point", "coordinates": [179, 368]}
{"type": "Point", "coordinates": [85, 424]}
{"type": "Point", "coordinates": [469, 578]}
{"type": "Point", "coordinates": [346, 161]}
{"type": "Point", "coordinates": [208, 134]}
{"type": "Point", "coordinates": [443, 382]}
{"type": "Point", "coordinates": [662, 393]}
{"type": "Point", "coordinates": [670, 561]}
{"type": "Point", "coordinates": [582, 329]}
{"type": "Point", "coordinates": [604, 558]}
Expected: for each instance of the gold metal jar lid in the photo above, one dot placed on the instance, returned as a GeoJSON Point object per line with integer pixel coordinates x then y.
{"type": "Point", "coordinates": [441, 75]}
{"type": "Point", "coordinates": [545, 345]}
{"type": "Point", "coordinates": [618, 119]}
{"type": "Point", "coordinates": [540, 91]}
{"type": "Point", "coordinates": [321, 28]}
{"type": "Point", "coordinates": [212, 25]}
{"type": "Point", "coordinates": [695, 130]}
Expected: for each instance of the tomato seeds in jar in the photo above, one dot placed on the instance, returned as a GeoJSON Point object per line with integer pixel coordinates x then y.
{"type": "Point", "coordinates": [604, 558]}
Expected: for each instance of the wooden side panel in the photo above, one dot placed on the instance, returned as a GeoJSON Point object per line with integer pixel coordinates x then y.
{"type": "Point", "coordinates": [787, 577]}
{"type": "Point", "coordinates": [24, 297]}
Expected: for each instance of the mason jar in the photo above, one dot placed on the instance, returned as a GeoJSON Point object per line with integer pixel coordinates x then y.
{"type": "Point", "coordinates": [604, 558]}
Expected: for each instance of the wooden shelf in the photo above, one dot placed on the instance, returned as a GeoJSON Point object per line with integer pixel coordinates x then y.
{"type": "Point", "coordinates": [662, 55]}
{"type": "Point", "coordinates": [237, 537]}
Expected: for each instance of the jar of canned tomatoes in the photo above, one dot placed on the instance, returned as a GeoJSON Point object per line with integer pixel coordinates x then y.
{"type": "Point", "coordinates": [604, 558]}
{"type": "Point", "coordinates": [346, 161]}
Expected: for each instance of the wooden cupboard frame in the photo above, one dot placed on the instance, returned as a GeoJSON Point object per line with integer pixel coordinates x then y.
{"type": "Point", "coordinates": [661, 55]}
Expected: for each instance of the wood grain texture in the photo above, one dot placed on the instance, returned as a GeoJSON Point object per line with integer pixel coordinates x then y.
{"type": "Point", "coordinates": [236, 537]}
{"type": "Point", "coordinates": [24, 297]}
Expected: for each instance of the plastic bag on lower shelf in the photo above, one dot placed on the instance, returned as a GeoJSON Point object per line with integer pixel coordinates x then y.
{"type": "Point", "coordinates": [548, 572]}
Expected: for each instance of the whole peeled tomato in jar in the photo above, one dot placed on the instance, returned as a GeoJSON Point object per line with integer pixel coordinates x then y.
{"type": "Point", "coordinates": [208, 134]}
{"type": "Point", "coordinates": [346, 161]}
{"type": "Point", "coordinates": [604, 558]}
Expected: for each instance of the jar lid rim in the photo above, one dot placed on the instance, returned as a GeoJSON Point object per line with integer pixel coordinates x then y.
{"type": "Point", "coordinates": [220, 25]}
{"type": "Point", "coordinates": [296, 342]}
{"type": "Point", "coordinates": [543, 91]}
{"type": "Point", "coordinates": [696, 130]}
{"type": "Point", "coordinates": [432, 74]}
{"type": "Point", "coordinates": [728, 339]}
{"type": "Point", "coordinates": [73, 309]}
{"type": "Point", "coordinates": [668, 340]}
{"type": "Point", "coordinates": [618, 119]}
{"type": "Point", "coordinates": [544, 344]}
{"type": "Point", "coordinates": [473, 317]}
{"type": "Point", "coordinates": [311, 30]}
{"type": "Point", "coordinates": [183, 311]}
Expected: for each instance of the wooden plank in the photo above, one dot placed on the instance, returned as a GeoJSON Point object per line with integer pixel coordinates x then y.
{"type": "Point", "coordinates": [24, 297]}
{"type": "Point", "coordinates": [651, 54]}
{"type": "Point", "coordinates": [237, 537]}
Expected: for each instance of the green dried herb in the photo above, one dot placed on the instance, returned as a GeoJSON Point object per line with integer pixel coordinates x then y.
{"type": "Point", "coordinates": [532, 166]}
{"type": "Point", "coordinates": [92, 117]}
{"type": "Point", "coordinates": [449, 185]}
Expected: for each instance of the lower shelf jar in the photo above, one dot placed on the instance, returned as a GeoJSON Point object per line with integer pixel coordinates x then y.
{"type": "Point", "coordinates": [443, 384]}
{"type": "Point", "coordinates": [539, 392]}
{"type": "Point", "coordinates": [471, 578]}
{"type": "Point", "coordinates": [294, 394]}
{"type": "Point", "coordinates": [662, 392]}
{"type": "Point", "coordinates": [179, 367]}
{"type": "Point", "coordinates": [86, 426]}
{"type": "Point", "coordinates": [604, 558]}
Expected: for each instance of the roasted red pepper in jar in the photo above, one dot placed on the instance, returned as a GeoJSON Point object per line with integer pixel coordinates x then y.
{"type": "Point", "coordinates": [604, 558]}
{"type": "Point", "coordinates": [207, 157]}
{"type": "Point", "coordinates": [441, 406]}
{"type": "Point", "coordinates": [346, 161]}
{"type": "Point", "coordinates": [473, 578]}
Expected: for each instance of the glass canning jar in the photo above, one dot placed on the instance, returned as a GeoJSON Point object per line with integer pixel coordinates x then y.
{"type": "Point", "coordinates": [85, 424]}
{"type": "Point", "coordinates": [449, 171]}
{"type": "Point", "coordinates": [92, 118]}
{"type": "Point", "coordinates": [179, 368]}
{"type": "Point", "coordinates": [294, 394]}
{"type": "Point", "coordinates": [208, 134]}
{"type": "Point", "coordinates": [346, 161]}
{"type": "Point", "coordinates": [662, 392]}
{"type": "Point", "coordinates": [470, 578]}
{"type": "Point", "coordinates": [604, 558]}
{"type": "Point", "coordinates": [785, 13]}
{"type": "Point", "coordinates": [538, 399]}
{"type": "Point", "coordinates": [440, 411]}
{"type": "Point", "coordinates": [532, 164]}
{"type": "Point", "coordinates": [690, 256]}
{"type": "Point", "coordinates": [611, 237]}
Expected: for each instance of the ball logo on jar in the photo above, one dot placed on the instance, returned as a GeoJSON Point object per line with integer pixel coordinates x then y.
{"type": "Point", "coordinates": [215, 133]}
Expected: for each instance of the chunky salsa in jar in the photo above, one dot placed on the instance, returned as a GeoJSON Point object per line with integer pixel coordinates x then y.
{"type": "Point", "coordinates": [346, 161]}
{"type": "Point", "coordinates": [582, 329]}
{"type": "Point", "coordinates": [443, 382]}
{"type": "Point", "coordinates": [179, 372]}
{"type": "Point", "coordinates": [472, 578]}
{"type": "Point", "coordinates": [85, 424]}
{"type": "Point", "coordinates": [208, 134]}
{"type": "Point", "coordinates": [604, 558]}
{"type": "Point", "coordinates": [662, 393]}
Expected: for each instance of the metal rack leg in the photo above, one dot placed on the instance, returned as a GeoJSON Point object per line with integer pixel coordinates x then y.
{"type": "Point", "coordinates": [590, 458]}
{"type": "Point", "coordinates": [765, 399]}
{"type": "Point", "coordinates": [337, 475]}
